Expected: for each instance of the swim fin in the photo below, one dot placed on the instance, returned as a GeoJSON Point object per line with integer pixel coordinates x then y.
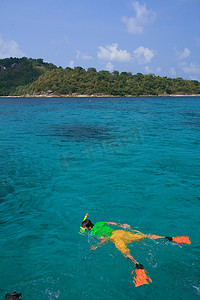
{"type": "Point", "coordinates": [141, 276]}
{"type": "Point", "coordinates": [179, 239]}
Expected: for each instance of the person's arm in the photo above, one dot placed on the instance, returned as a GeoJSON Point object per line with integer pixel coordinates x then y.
{"type": "Point", "coordinates": [102, 242]}
{"type": "Point", "coordinates": [125, 226]}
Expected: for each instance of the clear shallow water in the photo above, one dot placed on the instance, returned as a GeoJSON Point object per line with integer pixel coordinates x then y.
{"type": "Point", "coordinates": [133, 161]}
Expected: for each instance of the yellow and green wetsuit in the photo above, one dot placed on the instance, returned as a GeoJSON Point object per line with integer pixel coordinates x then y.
{"type": "Point", "coordinates": [120, 238]}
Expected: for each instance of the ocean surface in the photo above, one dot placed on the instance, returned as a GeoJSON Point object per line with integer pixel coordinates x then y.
{"type": "Point", "coordinates": [127, 160]}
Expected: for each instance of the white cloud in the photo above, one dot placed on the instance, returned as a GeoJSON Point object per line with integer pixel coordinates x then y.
{"type": "Point", "coordinates": [193, 77]}
{"type": "Point", "coordinates": [71, 64]}
{"type": "Point", "coordinates": [191, 68]}
{"type": "Point", "coordinates": [109, 67]}
{"type": "Point", "coordinates": [110, 52]}
{"type": "Point", "coordinates": [173, 72]}
{"type": "Point", "coordinates": [158, 69]}
{"type": "Point", "coordinates": [80, 55]}
{"type": "Point", "coordinates": [149, 70]}
{"type": "Point", "coordinates": [9, 49]}
{"type": "Point", "coordinates": [144, 55]}
{"type": "Point", "coordinates": [143, 18]}
{"type": "Point", "coordinates": [141, 55]}
{"type": "Point", "coordinates": [182, 55]}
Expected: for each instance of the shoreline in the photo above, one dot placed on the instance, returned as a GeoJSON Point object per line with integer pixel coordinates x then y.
{"type": "Point", "coordinates": [99, 96]}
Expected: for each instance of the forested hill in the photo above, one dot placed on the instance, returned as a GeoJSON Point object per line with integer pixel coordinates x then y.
{"type": "Point", "coordinates": [26, 77]}
{"type": "Point", "coordinates": [15, 72]}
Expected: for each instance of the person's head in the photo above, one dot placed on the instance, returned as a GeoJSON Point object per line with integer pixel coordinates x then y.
{"type": "Point", "coordinates": [87, 224]}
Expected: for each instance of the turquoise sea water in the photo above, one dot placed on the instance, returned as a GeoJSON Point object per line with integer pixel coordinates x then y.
{"type": "Point", "coordinates": [128, 160]}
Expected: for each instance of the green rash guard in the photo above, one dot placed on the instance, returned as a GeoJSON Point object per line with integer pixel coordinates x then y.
{"type": "Point", "coordinates": [102, 229]}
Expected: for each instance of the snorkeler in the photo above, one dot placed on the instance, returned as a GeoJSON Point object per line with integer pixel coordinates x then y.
{"type": "Point", "coordinates": [121, 238]}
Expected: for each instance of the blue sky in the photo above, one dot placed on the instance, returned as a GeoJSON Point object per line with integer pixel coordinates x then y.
{"type": "Point", "coordinates": [154, 36]}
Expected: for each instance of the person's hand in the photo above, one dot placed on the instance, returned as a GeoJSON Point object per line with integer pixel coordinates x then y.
{"type": "Point", "coordinates": [93, 248]}
{"type": "Point", "coordinates": [126, 226]}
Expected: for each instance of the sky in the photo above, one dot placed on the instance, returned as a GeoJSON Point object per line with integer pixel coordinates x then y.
{"type": "Point", "coordinates": [155, 36]}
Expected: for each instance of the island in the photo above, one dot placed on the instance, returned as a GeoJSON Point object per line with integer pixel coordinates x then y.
{"type": "Point", "coordinates": [27, 77]}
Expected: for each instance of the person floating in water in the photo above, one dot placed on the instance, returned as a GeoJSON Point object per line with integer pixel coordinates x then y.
{"type": "Point", "coordinates": [120, 238]}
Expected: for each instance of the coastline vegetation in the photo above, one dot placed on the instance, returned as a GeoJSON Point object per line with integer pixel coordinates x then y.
{"type": "Point", "coordinates": [15, 72]}
{"type": "Point", "coordinates": [33, 77]}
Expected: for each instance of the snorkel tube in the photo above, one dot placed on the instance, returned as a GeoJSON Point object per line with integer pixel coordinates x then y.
{"type": "Point", "coordinates": [81, 229]}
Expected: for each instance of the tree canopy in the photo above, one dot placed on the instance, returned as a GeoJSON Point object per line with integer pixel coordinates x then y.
{"type": "Point", "coordinates": [15, 72]}
{"type": "Point", "coordinates": [33, 77]}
